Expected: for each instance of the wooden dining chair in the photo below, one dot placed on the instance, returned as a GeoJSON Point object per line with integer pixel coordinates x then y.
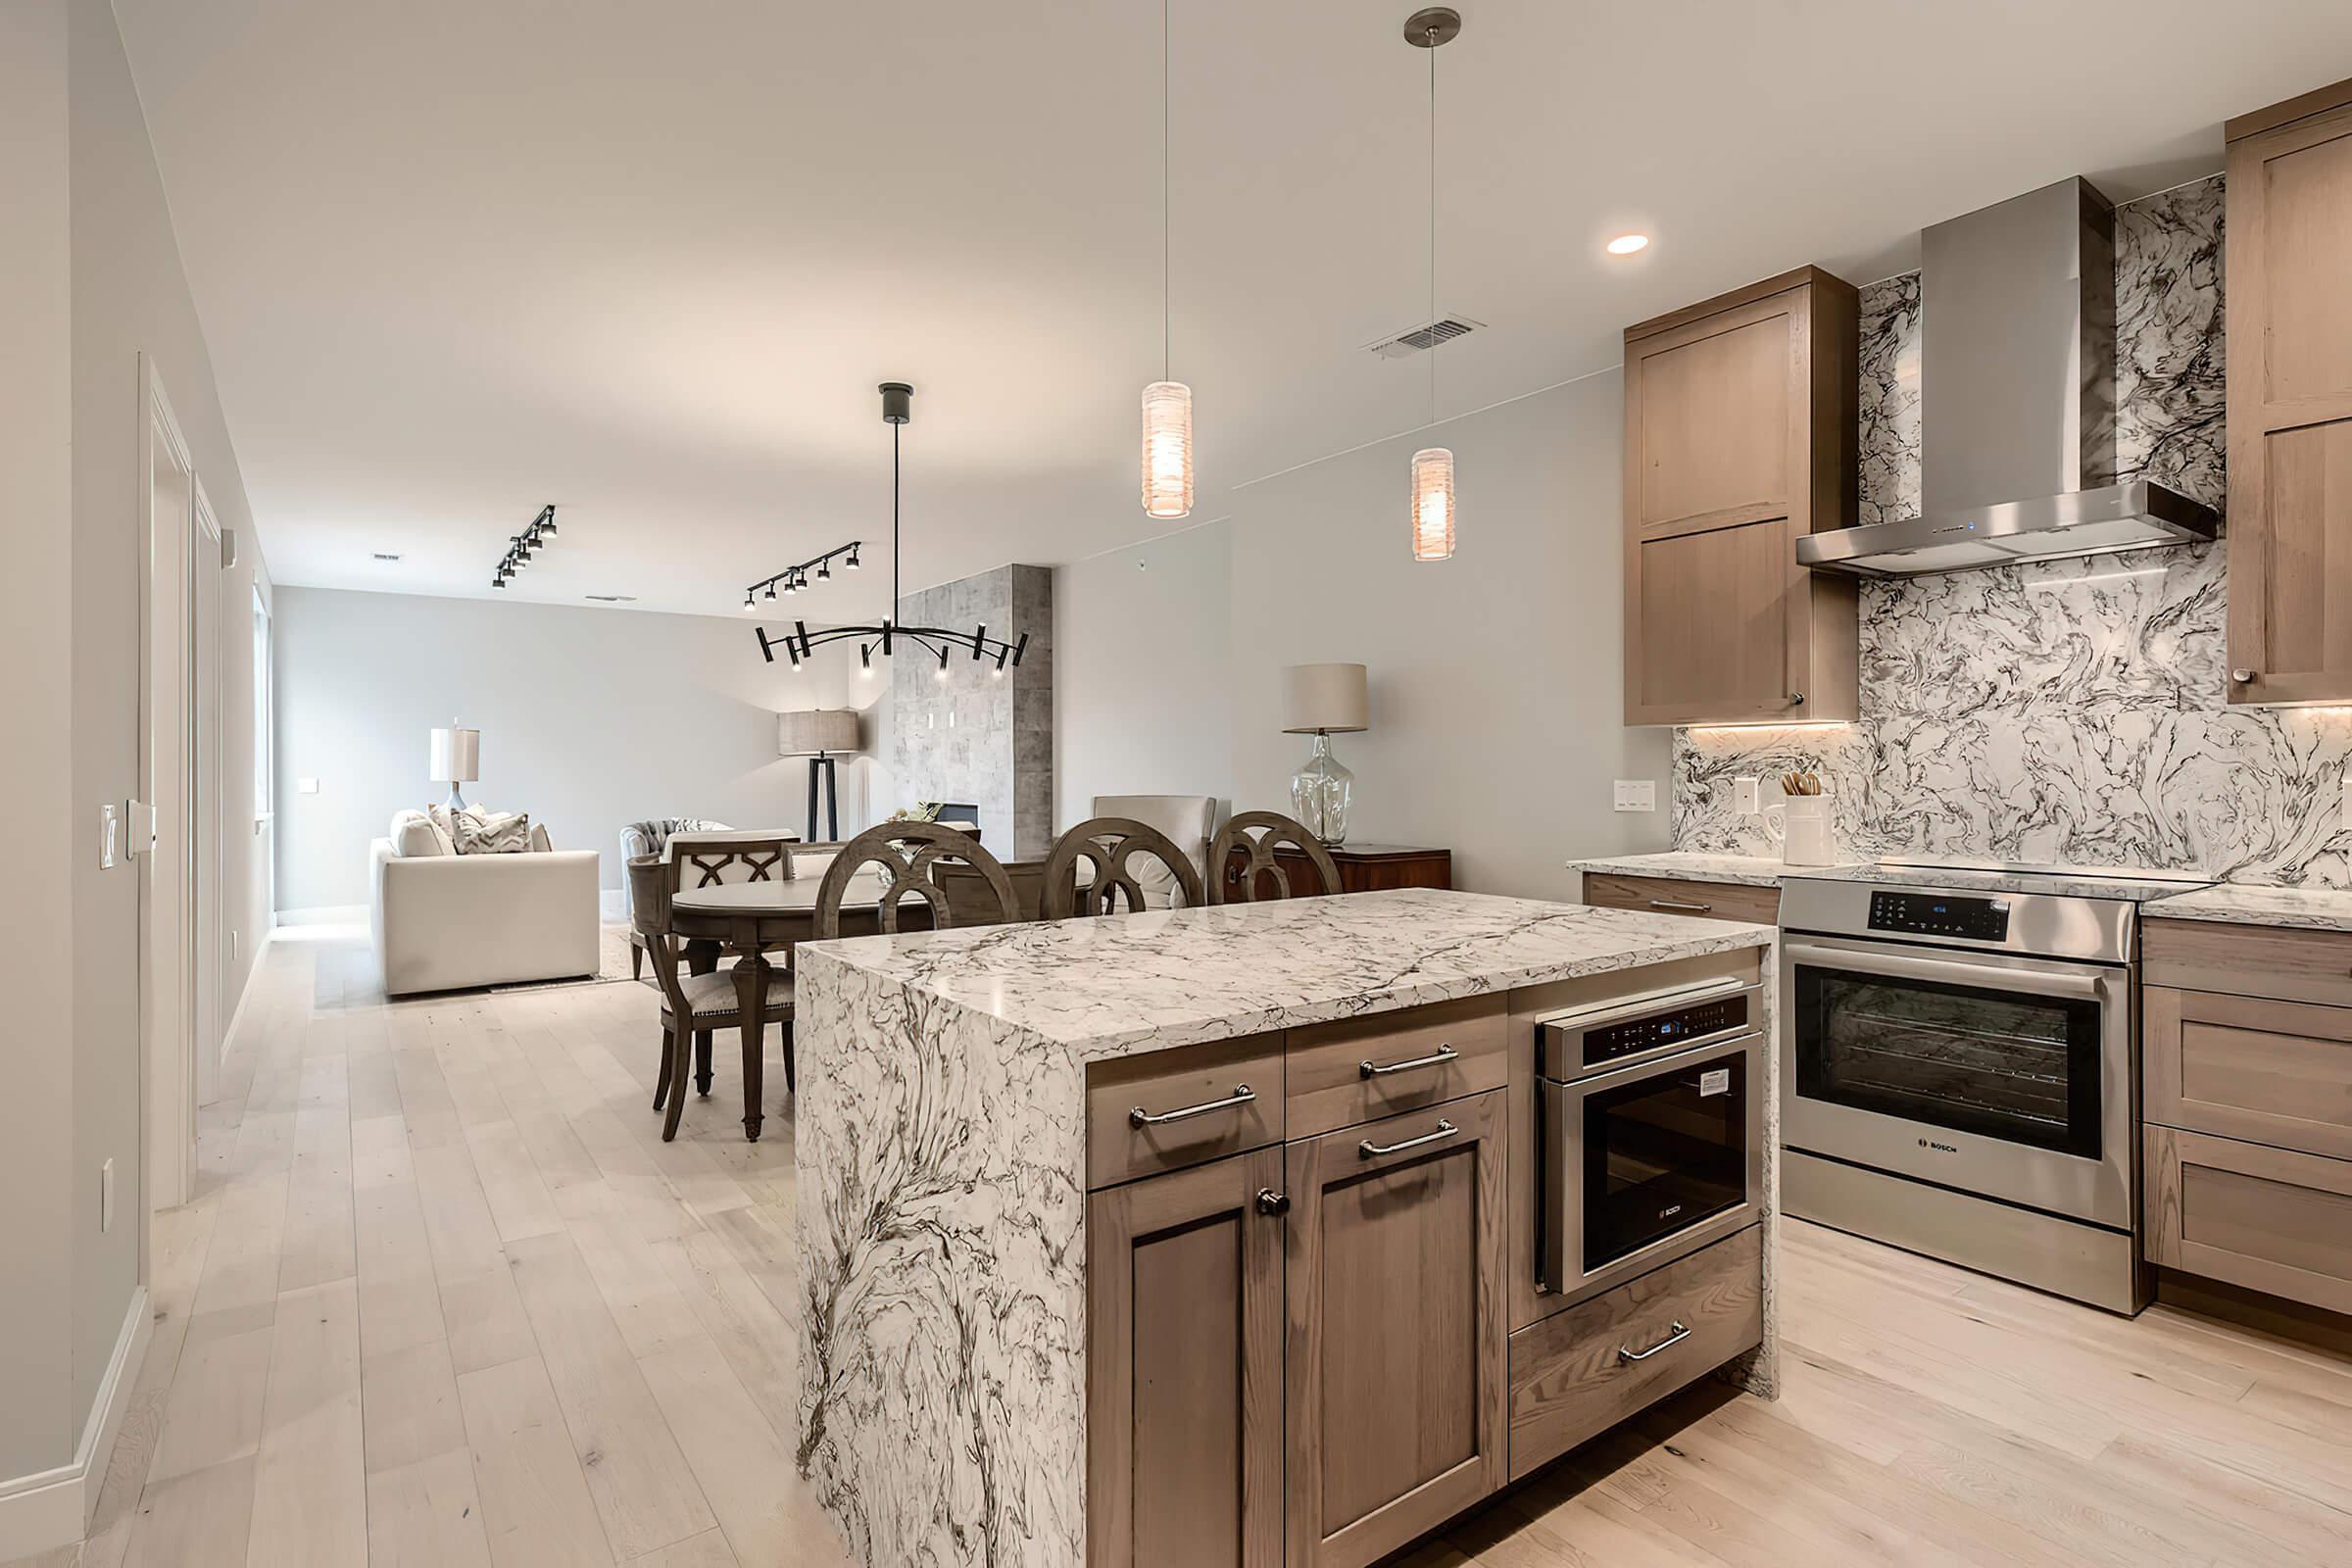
{"type": "Point", "coordinates": [1243, 852]}
{"type": "Point", "coordinates": [908, 854]}
{"type": "Point", "coordinates": [1106, 844]}
{"type": "Point", "coordinates": [694, 1005]}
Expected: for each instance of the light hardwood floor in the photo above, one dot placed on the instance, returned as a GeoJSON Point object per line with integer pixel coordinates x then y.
{"type": "Point", "coordinates": [445, 1297]}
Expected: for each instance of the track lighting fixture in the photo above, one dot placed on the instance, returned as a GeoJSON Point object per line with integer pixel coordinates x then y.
{"type": "Point", "coordinates": [794, 578]}
{"type": "Point", "coordinates": [524, 545]}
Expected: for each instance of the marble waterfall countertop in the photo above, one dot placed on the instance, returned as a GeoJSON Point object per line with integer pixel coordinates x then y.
{"type": "Point", "coordinates": [940, 1165]}
{"type": "Point", "coordinates": [1690, 865]}
{"type": "Point", "coordinates": [2249, 904]}
{"type": "Point", "coordinates": [1175, 977]}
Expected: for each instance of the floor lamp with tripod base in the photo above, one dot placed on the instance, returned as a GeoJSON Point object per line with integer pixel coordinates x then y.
{"type": "Point", "coordinates": [819, 734]}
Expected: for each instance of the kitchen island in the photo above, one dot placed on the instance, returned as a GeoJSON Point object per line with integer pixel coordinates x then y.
{"type": "Point", "coordinates": [962, 1093]}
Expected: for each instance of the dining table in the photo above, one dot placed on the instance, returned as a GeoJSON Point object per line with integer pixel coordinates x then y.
{"type": "Point", "coordinates": [753, 919]}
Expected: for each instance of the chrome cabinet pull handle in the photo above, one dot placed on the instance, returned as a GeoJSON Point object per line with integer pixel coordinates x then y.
{"type": "Point", "coordinates": [1270, 1202]}
{"type": "Point", "coordinates": [2244, 678]}
{"type": "Point", "coordinates": [1436, 1059]}
{"type": "Point", "coordinates": [1676, 904]}
{"type": "Point", "coordinates": [1682, 1332]}
{"type": "Point", "coordinates": [1242, 1095]}
{"type": "Point", "coordinates": [1368, 1150]}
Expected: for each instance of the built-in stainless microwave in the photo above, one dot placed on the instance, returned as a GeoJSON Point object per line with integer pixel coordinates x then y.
{"type": "Point", "coordinates": [1650, 1123]}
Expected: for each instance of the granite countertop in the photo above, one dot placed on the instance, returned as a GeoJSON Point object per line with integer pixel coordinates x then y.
{"type": "Point", "coordinates": [2247, 904]}
{"type": "Point", "coordinates": [1124, 985]}
{"type": "Point", "coordinates": [1689, 865]}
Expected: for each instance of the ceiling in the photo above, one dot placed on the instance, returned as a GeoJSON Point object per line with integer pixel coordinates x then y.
{"type": "Point", "coordinates": [455, 260]}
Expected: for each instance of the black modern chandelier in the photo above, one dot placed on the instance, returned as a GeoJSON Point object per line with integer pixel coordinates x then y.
{"type": "Point", "coordinates": [898, 399]}
{"type": "Point", "coordinates": [792, 579]}
{"type": "Point", "coordinates": [524, 545]}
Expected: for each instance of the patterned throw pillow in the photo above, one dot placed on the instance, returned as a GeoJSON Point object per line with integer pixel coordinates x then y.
{"type": "Point", "coordinates": [509, 833]}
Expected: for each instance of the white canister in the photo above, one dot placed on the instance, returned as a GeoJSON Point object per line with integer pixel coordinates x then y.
{"type": "Point", "coordinates": [1801, 825]}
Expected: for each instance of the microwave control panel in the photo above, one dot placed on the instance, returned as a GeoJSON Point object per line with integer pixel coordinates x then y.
{"type": "Point", "coordinates": [1940, 915]}
{"type": "Point", "coordinates": [1636, 1035]}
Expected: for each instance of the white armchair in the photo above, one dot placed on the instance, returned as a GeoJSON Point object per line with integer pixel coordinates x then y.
{"type": "Point", "coordinates": [443, 922]}
{"type": "Point", "coordinates": [1187, 819]}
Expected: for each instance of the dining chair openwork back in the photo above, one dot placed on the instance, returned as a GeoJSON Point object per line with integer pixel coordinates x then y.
{"type": "Point", "coordinates": [906, 853]}
{"type": "Point", "coordinates": [1106, 844]}
{"type": "Point", "coordinates": [698, 863]}
{"type": "Point", "coordinates": [1255, 837]}
{"type": "Point", "coordinates": [692, 1005]}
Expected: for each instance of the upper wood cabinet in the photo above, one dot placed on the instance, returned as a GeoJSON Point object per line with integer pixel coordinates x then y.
{"type": "Point", "coordinates": [1740, 435]}
{"type": "Point", "coordinates": [2289, 345]}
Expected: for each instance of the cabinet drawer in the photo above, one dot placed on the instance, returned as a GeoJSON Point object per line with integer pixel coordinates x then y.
{"type": "Point", "coordinates": [2248, 960]}
{"type": "Point", "coordinates": [2273, 1072]}
{"type": "Point", "coordinates": [2266, 1218]}
{"type": "Point", "coordinates": [1118, 1149]}
{"type": "Point", "coordinates": [1574, 1374]}
{"type": "Point", "coordinates": [1329, 1087]}
{"type": "Point", "coordinates": [1660, 895]}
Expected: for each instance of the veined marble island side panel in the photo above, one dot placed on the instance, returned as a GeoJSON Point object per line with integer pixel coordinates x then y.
{"type": "Point", "coordinates": [940, 1155]}
{"type": "Point", "coordinates": [941, 1266]}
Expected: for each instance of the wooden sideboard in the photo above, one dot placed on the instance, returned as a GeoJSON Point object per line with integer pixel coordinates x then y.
{"type": "Point", "coordinates": [1370, 868]}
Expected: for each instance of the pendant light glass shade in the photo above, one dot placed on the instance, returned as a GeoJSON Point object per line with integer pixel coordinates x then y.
{"type": "Point", "coordinates": [1169, 449]}
{"type": "Point", "coordinates": [1433, 504]}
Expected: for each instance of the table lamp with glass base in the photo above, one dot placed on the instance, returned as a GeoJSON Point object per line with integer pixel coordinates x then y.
{"type": "Point", "coordinates": [1323, 701]}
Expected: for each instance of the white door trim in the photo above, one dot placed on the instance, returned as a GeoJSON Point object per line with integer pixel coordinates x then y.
{"type": "Point", "coordinates": [206, 972]}
{"type": "Point", "coordinates": [166, 1114]}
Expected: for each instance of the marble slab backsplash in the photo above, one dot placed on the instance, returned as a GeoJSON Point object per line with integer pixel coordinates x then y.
{"type": "Point", "coordinates": [2070, 710]}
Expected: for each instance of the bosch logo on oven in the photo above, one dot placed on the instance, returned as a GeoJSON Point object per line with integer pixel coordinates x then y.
{"type": "Point", "coordinates": [1942, 1149]}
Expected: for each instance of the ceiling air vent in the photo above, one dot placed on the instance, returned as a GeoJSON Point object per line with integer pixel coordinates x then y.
{"type": "Point", "coordinates": [1442, 330]}
{"type": "Point", "coordinates": [613, 599]}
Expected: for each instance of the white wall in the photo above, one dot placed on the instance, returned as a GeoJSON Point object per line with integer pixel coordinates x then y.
{"type": "Point", "coordinates": [591, 717]}
{"type": "Point", "coordinates": [1496, 685]}
{"type": "Point", "coordinates": [1142, 694]}
{"type": "Point", "coordinates": [89, 280]}
{"type": "Point", "coordinates": [37, 1415]}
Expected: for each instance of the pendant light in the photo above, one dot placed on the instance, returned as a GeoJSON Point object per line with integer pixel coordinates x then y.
{"type": "Point", "coordinates": [1168, 402]}
{"type": "Point", "coordinates": [1432, 466]}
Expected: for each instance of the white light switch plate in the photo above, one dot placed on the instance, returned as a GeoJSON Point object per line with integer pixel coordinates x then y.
{"type": "Point", "coordinates": [1637, 795]}
{"type": "Point", "coordinates": [306, 786]}
{"type": "Point", "coordinates": [106, 1196]}
{"type": "Point", "coordinates": [1744, 801]}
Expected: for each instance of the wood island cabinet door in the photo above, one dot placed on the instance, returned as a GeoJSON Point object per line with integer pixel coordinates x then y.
{"type": "Point", "coordinates": [2288, 232]}
{"type": "Point", "coordinates": [1184, 1360]}
{"type": "Point", "coordinates": [1397, 1350]}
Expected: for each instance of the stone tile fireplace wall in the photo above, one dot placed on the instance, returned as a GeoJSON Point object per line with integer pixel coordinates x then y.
{"type": "Point", "coordinates": [974, 736]}
{"type": "Point", "coordinates": [2073, 710]}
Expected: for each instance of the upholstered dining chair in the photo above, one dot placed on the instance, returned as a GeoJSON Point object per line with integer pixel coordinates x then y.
{"type": "Point", "coordinates": [1187, 819]}
{"type": "Point", "coordinates": [693, 1005]}
{"type": "Point", "coordinates": [908, 853]}
{"type": "Point", "coordinates": [1243, 852]}
{"type": "Point", "coordinates": [1106, 845]}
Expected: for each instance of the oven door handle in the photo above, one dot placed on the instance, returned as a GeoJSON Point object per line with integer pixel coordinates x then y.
{"type": "Point", "coordinates": [1982, 976]}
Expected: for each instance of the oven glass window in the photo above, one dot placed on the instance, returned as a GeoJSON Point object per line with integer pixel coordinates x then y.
{"type": "Point", "coordinates": [2020, 1069]}
{"type": "Point", "coordinates": [1663, 1153]}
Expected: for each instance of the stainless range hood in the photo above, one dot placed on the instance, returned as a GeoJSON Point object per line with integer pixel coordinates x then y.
{"type": "Point", "coordinates": [2017, 403]}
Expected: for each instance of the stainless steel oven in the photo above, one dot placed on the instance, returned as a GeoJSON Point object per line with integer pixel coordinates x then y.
{"type": "Point", "coordinates": [1650, 1120]}
{"type": "Point", "coordinates": [1959, 1077]}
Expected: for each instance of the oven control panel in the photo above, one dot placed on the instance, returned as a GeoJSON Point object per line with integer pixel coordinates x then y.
{"type": "Point", "coordinates": [1940, 915]}
{"type": "Point", "coordinates": [1610, 1042]}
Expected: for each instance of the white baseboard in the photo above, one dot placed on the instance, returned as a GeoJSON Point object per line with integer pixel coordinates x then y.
{"type": "Point", "coordinates": [324, 915]}
{"type": "Point", "coordinates": [53, 1507]}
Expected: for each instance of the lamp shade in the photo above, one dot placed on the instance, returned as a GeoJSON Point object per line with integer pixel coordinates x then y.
{"type": "Point", "coordinates": [1332, 698]}
{"type": "Point", "coordinates": [815, 731]}
{"type": "Point", "coordinates": [457, 756]}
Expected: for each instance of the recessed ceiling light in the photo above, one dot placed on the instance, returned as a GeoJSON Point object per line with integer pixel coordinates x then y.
{"type": "Point", "coordinates": [382, 555]}
{"type": "Point", "coordinates": [1627, 244]}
